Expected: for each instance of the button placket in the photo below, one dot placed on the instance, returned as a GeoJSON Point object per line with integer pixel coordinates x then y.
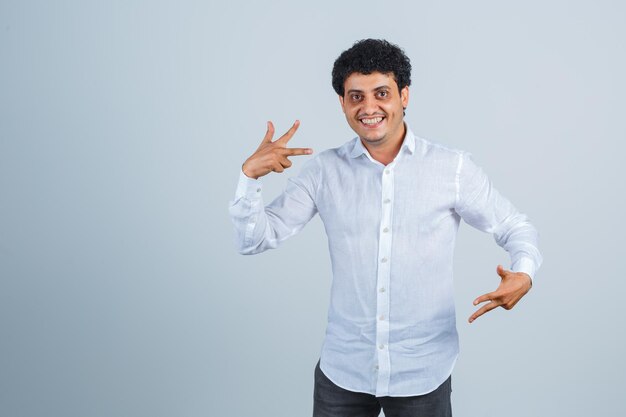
{"type": "Point", "coordinates": [383, 278]}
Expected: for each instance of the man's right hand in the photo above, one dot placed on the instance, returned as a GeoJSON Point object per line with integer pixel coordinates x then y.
{"type": "Point", "coordinates": [272, 155]}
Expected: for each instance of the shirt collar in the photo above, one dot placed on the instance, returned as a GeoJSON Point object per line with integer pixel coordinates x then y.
{"type": "Point", "coordinates": [409, 143]}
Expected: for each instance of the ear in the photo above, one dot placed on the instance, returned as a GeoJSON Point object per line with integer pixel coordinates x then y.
{"type": "Point", "coordinates": [404, 96]}
{"type": "Point", "coordinates": [343, 109]}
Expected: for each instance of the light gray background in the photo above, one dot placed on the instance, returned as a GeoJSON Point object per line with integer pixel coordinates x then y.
{"type": "Point", "coordinates": [123, 126]}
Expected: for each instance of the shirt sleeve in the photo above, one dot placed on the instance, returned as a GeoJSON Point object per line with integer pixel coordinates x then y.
{"type": "Point", "coordinates": [484, 208]}
{"type": "Point", "coordinates": [259, 227]}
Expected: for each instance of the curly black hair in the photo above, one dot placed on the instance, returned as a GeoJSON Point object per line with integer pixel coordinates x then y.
{"type": "Point", "coordinates": [372, 55]}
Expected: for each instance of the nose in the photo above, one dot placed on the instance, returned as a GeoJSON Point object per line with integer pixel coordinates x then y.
{"type": "Point", "coordinates": [369, 105]}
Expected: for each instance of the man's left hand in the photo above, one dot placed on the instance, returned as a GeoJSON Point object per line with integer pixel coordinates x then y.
{"type": "Point", "coordinates": [513, 286]}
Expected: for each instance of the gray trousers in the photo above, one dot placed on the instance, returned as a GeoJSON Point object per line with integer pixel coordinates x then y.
{"type": "Point", "coordinates": [329, 400]}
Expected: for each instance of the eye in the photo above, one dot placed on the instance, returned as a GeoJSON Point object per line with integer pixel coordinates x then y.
{"type": "Point", "coordinates": [383, 94]}
{"type": "Point", "coordinates": [355, 97]}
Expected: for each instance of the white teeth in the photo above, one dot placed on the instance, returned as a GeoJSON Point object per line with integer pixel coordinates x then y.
{"type": "Point", "coordinates": [372, 121]}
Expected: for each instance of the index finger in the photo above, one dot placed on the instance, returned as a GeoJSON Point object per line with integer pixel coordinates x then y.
{"type": "Point", "coordinates": [485, 297]}
{"type": "Point", "coordinates": [287, 136]}
{"type": "Point", "coordinates": [483, 310]}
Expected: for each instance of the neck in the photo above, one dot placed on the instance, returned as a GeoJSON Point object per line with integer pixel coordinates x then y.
{"type": "Point", "coordinates": [386, 152]}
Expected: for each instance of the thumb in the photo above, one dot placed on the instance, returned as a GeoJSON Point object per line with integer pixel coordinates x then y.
{"type": "Point", "coordinates": [269, 134]}
{"type": "Point", "coordinates": [501, 271]}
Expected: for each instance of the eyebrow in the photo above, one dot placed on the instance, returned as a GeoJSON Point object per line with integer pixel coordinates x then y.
{"type": "Point", "coordinates": [382, 87]}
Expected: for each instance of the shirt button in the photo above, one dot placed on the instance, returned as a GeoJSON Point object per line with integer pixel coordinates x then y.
{"type": "Point", "coordinates": [386, 230]}
{"type": "Point", "coordinates": [382, 317]}
{"type": "Point", "coordinates": [387, 201]}
{"type": "Point", "coordinates": [381, 346]}
{"type": "Point", "coordinates": [376, 367]}
{"type": "Point", "coordinates": [383, 260]}
{"type": "Point", "coordinates": [387, 171]}
{"type": "Point", "coordinates": [258, 190]}
{"type": "Point", "coordinates": [382, 289]}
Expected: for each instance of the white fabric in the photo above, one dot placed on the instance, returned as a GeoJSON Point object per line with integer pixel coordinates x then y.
{"type": "Point", "coordinates": [391, 234]}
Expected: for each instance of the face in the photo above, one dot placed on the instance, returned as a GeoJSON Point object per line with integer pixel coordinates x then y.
{"type": "Point", "coordinates": [374, 107]}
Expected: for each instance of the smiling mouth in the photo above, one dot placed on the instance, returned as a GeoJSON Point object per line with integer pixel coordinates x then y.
{"type": "Point", "coordinates": [372, 121]}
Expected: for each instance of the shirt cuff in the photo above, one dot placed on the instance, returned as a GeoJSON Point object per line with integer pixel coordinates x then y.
{"type": "Point", "coordinates": [526, 265]}
{"type": "Point", "coordinates": [248, 188]}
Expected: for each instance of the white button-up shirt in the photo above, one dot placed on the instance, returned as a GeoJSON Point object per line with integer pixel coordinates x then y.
{"type": "Point", "coordinates": [391, 233]}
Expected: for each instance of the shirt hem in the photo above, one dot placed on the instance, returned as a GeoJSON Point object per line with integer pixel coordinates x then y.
{"type": "Point", "coordinates": [397, 395]}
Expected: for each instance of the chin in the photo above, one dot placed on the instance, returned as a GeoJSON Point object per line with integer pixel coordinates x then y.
{"type": "Point", "coordinates": [371, 139]}
{"type": "Point", "coordinates": [371, 136]}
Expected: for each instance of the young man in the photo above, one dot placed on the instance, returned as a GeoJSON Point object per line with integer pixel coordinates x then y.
{"type": "Point", "coordinates": [391, 204]}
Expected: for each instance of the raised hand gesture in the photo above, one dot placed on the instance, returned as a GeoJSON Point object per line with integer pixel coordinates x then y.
{"type": "Point", "coordinates": [273, 155]}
